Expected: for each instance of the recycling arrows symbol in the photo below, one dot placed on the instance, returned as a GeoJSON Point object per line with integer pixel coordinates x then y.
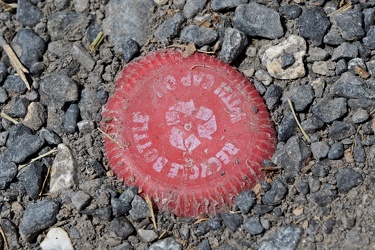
{"type": "Point", "coordinates": [179, 138]}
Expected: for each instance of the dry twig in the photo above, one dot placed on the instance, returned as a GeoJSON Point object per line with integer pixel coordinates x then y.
{"type": "Point", "coordinates": [2, 114]}
{"type": "Point", "coordinates": [109, 137]}
{"type": "Point", "coordinates": [17, 65]}
{"type": "Point", "coordinates": [44, 182]}
{"type": "Point", "coordinates": [342, 9]}
{"type": "Point", "coordinates": [5, 239]}
{"type": "Point", "coordinates": [37, 158]}
{"type": "Point", "coordinates": [149, 203]}
{"type": "Point", "coordinates": [97, 41]}
{"type": "Point", "coordinates": [298, 123]}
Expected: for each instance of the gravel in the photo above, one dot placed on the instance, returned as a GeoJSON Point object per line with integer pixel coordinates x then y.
{"type": "Point", "coordinates": [321, 192]}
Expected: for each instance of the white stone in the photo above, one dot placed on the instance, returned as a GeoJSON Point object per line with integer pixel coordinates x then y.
{"type": "Point", "coordinates": [320, 67]}
{"type": "Point", "coordinates": [56, 239]}
{"type": "Point", "coordinates": [271, 58]}
{"type": "Point", "coordinates": [64, 170]}
{"type": "Point", "coordinates": [161, 2]}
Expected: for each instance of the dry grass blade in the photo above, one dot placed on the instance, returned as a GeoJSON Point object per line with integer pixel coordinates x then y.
{"type": "Point", "coordinates": [200, 220]}
{"type": "Point", "coordinates": [37, 158]}
{"type": "Point", "coordinates": [109, 137]}
{"type": "Point", "coordinates": [5, 239]}
{"type": "Point", "coordinates": [149, 203]}
{"type": "Point", "coordinates": [342, 9]}
{"type": "Point", "coordinates": [2, 114]}
{"type": "Point", "coordinates": [97, 41]}
{"type": "Point", "coordinates": [17, 65]}
{"type": "Point", "coordinates": [44, 182]}
{"type": "Point", "coordinates": [298, 123]}
{"type": "Point", "coordinates": [9, 6]}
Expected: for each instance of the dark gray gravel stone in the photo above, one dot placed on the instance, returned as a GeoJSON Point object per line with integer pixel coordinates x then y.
{"type": "Point", "coordinates": [192, 7]}
{"type": "Point", "coordinates": [301, 97]}
{"type": "Point", "coordinates": [89, 104]}
{"type": "Point", "coordinates": [120, 207]}
{"type": "Point", "coordinates": [203, 228]}
{"type": "Point", "coordinates": [3, 137]}
{"type": "Point", "coordinates": [329, 110]}
{"type": "Point", "coordinates": [37, 217]}
{"type": "Point", "coordinates": [93, 30]}
{"type": "Point", "coordinates": [8, 170]}
{"type": "Point", "coordinates": [29, 47]}
{"type": "Point", "coordinates": [204, 245]}
{"type": "Point", "coordinates": [11, 233]}
{"type": "Point", "coordinates": [102, 96]}
{"type": "Point", "coordinates": [333, 37]}
{"type": "Point", "coordinates": [80, 199]}
{"type": "Point", "coordinates": [287, 60]}
{"type": "Point", "coordinates": [21, 143]}
{"type": "Point", "coordinates": [31, 179]}
{"type": "Point", "coordinates": [341, 67]}
{"type": "Point", "coordinates": [303, 187]}
{"type": "Point", "coordinates": [127, 19]}
{"type": "Point", "coordinates": [276, 194]}
{"type": "Point", "coordinates": [232, 220]}
{"type": "Point", "coordinates": [349, 23]}
{"type": "Point", "coordinates": [340, 130]}
{"type": "Point", "coordinates": [359, 154]}
{"type": "Point", "coordinates": [64, 24]}
{"type": "Point", "coordinates": [120, 228]}
{"type": "Point", "coordinates": [320, 170]}
{"type": "Point", "coordinates": [292, 156]}
{"type": "Point", "coordinates": [14, 84]}
{"type": "Point", "coordinates": [257, 20]}
{"type": "Point", "coordinates": [19, 109]}
{"type": "Point", "coordinates": [50, 136]}
{"type": "Point", "coordinates": [129, 49]}
{"type": "Point", "coordinates": [57, 89]}
{"type": "Point", "coordinates": [198, 35]}
{"type": "Point", "coordinates": [3, 72]}
{"type": "Point", "coordinates": [83, 56]}
{"type": "Point", "coordinates": [287, 127]}
{"type": "Point", "coordinates": [369, 41]}
{"type": "Point", "coordinates": [215, 223]}
{"type": "Point", "coordinates": [27, 13]}
{"type": "Point", "coordinates": [3, 95]}
{"type": "Point", "coordinates": [129, 194]}
{"type": "Point", "coordinates": [139, 209]}
{"type": "Point", "coordinates": [286, 237]}
{"type": "Point", "coordinates": [253, 226]}
{"type": "Point", "coordinates": [347, 179]}
{"type": "Point", "coordinates": [261, 209]}
{"type": "Point", "coordinates": [366, 104]}
{"type": "Point", "coordinates": [313, 24]}
{"type": "Point", "coordinates": [234, 43]}
{"type": "Point", "coordinates": [350, 86]}
{"type": "Point", "coordinates": [166, 244]}
{"type": "Point", "coordinates": [245, 201]}
{"type": "Point", "coordinates": [345, 51]}
{"type": "Point", "coordinates": [368, 18]}
{"type": "Point", "coordinates": [312, 124]}
{"type": "Point", "coordinates": [104, 213]}
{"type": "Point", "coordinates": [98, 168]}
{"type": "Point", "coordinates": [170, 28]}
{"type": "Point", "coordinates": [226, 246]}
{"type": "Point", "coordinates": [336, 151]}
{"type": "Point", "coordinates": [71, 118]}
{"type": "Point", "coordinates": [273, 95]}
{"type": "Point", "coordinates": [319, 149]}
{"type": "Point", "coordinates": [219, 5]}
{"type": "Point", "coordinates": [290, 11]}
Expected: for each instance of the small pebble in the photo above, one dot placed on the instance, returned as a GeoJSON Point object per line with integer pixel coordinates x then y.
{"type": "Point", "coordinates": [347, 178]}
{"type": "Point", "coordinates": [198, 35]}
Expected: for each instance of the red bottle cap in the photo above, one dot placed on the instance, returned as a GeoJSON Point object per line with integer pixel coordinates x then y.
{"type": "Point", "coordinates": [192, 133]}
